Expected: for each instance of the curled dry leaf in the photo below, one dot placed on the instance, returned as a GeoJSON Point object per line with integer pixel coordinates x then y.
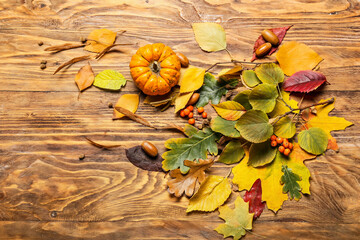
{"type": "Point", "coordinates": [279, 32]}
{"type": "Point", "coordinates": [304, 81]}
{"type": "Point", "coordinates": [187, 183]}
{"type": "Point", "coordinates": [72, 61]}
{"type": "Point", "coordinates": [107, 49]}
{"type": "Point", "coordinates": [64, 46]}
{"type": "Point", "coordinates": [134, 117]}
{"type": "Point", "coordinates": [140, 159]}
{"type": "Point", "coordinates": [128, 101]}
{"type": "Point", "coordinates": [100, 39]}
{"type": "Point", "coordinates": [85, 77]}
{"type": "Point", "coordinates": [98, 145]}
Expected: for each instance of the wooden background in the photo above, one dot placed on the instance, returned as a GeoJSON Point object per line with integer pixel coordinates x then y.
{"type": "Point", "coordinates": [46, 192]}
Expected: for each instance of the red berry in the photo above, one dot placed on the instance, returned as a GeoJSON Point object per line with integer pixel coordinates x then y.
{"type": "Point", "coordinates": [204, 114]}
{"type": "Point", "coordinates": [286, 143]}
{"type": "Point", "coordinates": [186, 111]}
{"type": "Point", "coordinates": [290, 146]}
{"type": "Point", "coordinates": [200, 110]}
{"type": "Point", "coordinates": [191, 115]}
{"type": "Point", "coordinates": [273, 143]}
{"type": "Point", "coordinates": [273, 138]}
{"type": "Point", "coordinates": [281, 149]}
{"type": "Point", "coordinates": [279, 140]}
{"type": "Point", "coordinates": [191, 108]}
{"type": "Point", "coordinates": [191, 121]}
{"type": "Point", "coordinates": [182, 114]}
{"type": "Point", "coordinates": [287, 152]}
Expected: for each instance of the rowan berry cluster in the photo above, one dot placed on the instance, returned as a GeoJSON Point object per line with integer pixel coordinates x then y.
{"type": "Point", "coordinates": [285, 147]}
{"type": "Point", "coordinates": [189, 112]}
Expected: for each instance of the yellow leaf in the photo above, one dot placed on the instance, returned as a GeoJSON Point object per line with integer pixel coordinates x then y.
{"type": "Point", "coordinates": [100, 39]}
{"type": "Point", "coordinates": [245, 176]}
{"type": "Point", "coordinates": [230, 72]}
{"type": "Point", "coordinates": [128, 101]}
{"type": "Point", "coordinates": [327, 123]}
{"type": "Point", "coordinates": [211, 37]}
{"type": "Point", "coordinates": [280, 107]}
{"type": "Point", "coordinates": [294, 56]}
{"type": "Point", "coordinates": [182, 100]}
{"type": "Point", "coordinates": [192, 79]}
{"type": "Point", "coordinates": [230, 110]}
{"type": "Point", "coordinates": [213, 192]}
{"type": "Point", "coordinates": [85, 77]}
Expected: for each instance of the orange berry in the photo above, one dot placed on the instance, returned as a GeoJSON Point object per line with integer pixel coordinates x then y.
{"type": "Point", "coordinates": [286, 143]}
{"type": "Point", "coordinates": [279, 140]}
{"type": "Point", "coordinates": [273, 138]}
{"type": "Point", "coordinates": [191, 108]}
{"type": "Point", "coordinates": [186, 111]}
{"type": "Point", "coordinates": [281, 149]}
{"type": "Point", "coordinates": [191, 115]}
{"type": "Point", "coordinates": [191, 121]}
{"type": "Point", "coordinates": [287, 152]}
{"type": "Point", "coordinates": [290, 146]}
{"type": "Point", "coordinates": [273, 143]}
{"type": "Point", "coordinates": [182, 114]}
{"type": "Point", "coordinates": [200, 110]}
{"type": "Point", "coordinates": [204, 114]}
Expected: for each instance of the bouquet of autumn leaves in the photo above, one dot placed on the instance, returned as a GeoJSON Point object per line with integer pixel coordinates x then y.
{"type": "Point", "coordinates": [248, 125]}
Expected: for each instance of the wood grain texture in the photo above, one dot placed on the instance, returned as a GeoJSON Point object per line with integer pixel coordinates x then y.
{"type": "Point", "coordinates": [46, 192]}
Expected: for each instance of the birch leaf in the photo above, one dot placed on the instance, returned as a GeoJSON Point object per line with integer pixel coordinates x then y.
{"type": "Point", "coordinates": [211, 37]}
{"type": "Point", "coordinates": [192, 79]}
{"type": "Point", "coordinates": [232, 153]}
{"type": "Point", "coordinates": [110, 80]}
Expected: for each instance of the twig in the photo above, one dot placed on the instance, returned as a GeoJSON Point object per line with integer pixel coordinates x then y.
{"type": "Point", "coordinates": [72, 61]}
{"type": "Point", "coordinates": [282, 99]}
{"type": "Point", "coordinates": [234, 61]}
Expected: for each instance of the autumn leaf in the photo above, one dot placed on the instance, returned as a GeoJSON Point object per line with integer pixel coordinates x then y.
{"type": "Point", "coordinates": [72, 61]}
{"type": "Point", "coordinates": [213, 192]}
{"type": "Point", "coordinates": [279, 32]}
{"type": "Point", "coordinates": [313, 140]}
{"type": "Point", "coordinates": [290, 179]}
{"type": "Point", "coordinates": [285, 128]}
{"type": "Point", "coordinates": [250, 79]}
{"type": "Point", "coordinates": [213, 90]}
{"type": "Point", "coordinates": [128, 101]}
{"type": "Point", "coordinates": [263, 97]}
{"type": "Point", "coordinates": [327, 123]}
{"type": "Point", "coordinates": [193, 148]}
{"type": "Point", "coordinates": [180, 184]}
{"type": "Point", "coordinates": [181, 101]}
{"type": "Point", "coordinates": [254, 126]}
{"type": "Point", "coordinates": [211, 37]}
{"type": "Point", "coordinates": [245, 175]}
{"type": "Point", "coordinates": [253, 196]}
{"type": "Point", "coordinates": [192, 79]}
{"type": "Point", "coordinates": [110, 80]}
{"type": "Point", "coordinates": [85, 77]}
{"type": "Point", "coordinates": [280, 107]}
{"type": "Point", "coordinates": [163, 101]}
{"type": "Point", "coordinates": [243, 99]}
{"type": "Point", "coordinates": [294, 56]}
{"type": "Point", "coordinates": [261, 154]}
{"type": "Point", "coordinates": [230, 72]}
{"type": "Point", "coordinates": [134, 117]}
{"type": "Point", "coordinates": [304, 81]}
{"type": "Point", "coordinates": [190, 130]}
{"type": "Point", "coordinates": [225, 127]}
{"type": "Point", "coordinates": [270, 73]}
{"type": "Point", "coordinates": [229, 110]}
{"type": "Point", "coordinates": [140, 159]}
{"type": "Point", "coordinates": [237, 220]}
{"type": "Point", "coordinates": [100, 39]}
{"type": "Point", "coordinates": [232, 153]}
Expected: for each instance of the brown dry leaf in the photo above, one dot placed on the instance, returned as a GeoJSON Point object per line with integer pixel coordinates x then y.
{"type": "Point", "coordinates": [101, 145]}
{"type": "Point", "coordinates": [187, 183]}
{"type": "Point", "coordinates": [85, 77]}
{"type": "Point", "coordinates": [134, 117]}
{"type": "Point", "coordinates": [72, 61]}
{"type": "Point", "coordinates": [127, 101]}
{"type": "Point", "coordinates": [99, 40]}
{"type": "Point", "coordinates": [62, 47]}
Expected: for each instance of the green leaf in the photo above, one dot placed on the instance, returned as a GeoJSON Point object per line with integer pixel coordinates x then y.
{"type": "Point", "coordinates": [285, 128]}
{"type": "Point", "coordinates": [210, 36]}
{"type": "Point", "coordinates": [237, 220]}
{"type": "Point", "coordinates": [243, 99]}
{"type": "Point", "coordinates": [225, 127]}
{"type": "Point", "coordinates": [213, 192]}
{"type": "Point", "coordinates": [250, 79]}
{"type": "Point", "coordinates": [261, 154]}
{"type": "Point", "coordinates": [229, 110]}
{"type": "Point", "coordinates": [190, 130]}
{"type": "Point", "coordinates": [254, 126]}
{"type": "Point", "coordinates": [109, 79]}
{"type": "Point", "coordinates": [290, 179]}
{"type": "Point", "coordinates": [213, 90]}
{"type": "Point", "coordinates": [270, 73]}
{"type": "Point", "coordinates": [263, 97]}
{"type": "Point", "coordinates": [193, 148]}
{"type": "Point", "coordinates": [314, 140]}
{"type": "Point", "coordinates": [232, 153]}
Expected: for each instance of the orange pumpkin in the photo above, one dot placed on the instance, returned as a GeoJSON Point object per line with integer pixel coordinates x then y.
{"type": "Point", "coordinates": [155, 69]}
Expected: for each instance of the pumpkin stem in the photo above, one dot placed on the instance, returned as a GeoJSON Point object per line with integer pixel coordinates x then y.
{"type": "Point", "coordinates": [155, 66]}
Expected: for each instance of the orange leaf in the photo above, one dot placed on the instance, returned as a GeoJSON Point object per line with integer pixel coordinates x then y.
{"type": "Point", "coordinates": [100, 39]}
{"type": "Point", "coordinates": [85, 77]}
{"type": "Point", "coordinates": [127, 101]}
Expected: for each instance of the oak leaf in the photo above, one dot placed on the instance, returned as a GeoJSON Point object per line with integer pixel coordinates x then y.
{"type": "Point", "coordinates": [85, 77]}
{"type": "Point", "coordinates": [100, 39]}
{"type": "Point", "coordinates": [304, 81]}
{"type": "Point", "coordinates": [237, 220]}
{"type": "Point", "coordinates": [213, 192]}
{"type": "Point", "coordinates": [192, 79]}
{"type": "Point", "coordinates": [180, 184]}
{"type": "Point", "coordinates": [211, 37]}
{"type": "Point", "coordinates": [128, 101]}
{"type": "Point", "coordinates": [294, 56]}
{"type": "Point", "coordinates": [256, 205]}
{"type": "Point", "coordinates": [290, 179]}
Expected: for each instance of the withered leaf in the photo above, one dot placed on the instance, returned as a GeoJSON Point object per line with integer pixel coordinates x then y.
{"type": "Point", "coordinates": [98, 145]}
{"type": "Point", "coordinates": [187, 183]}
{"type": "Point", "coordinates": [85, 77]}
{"type": "Point", "coordinates": [134, 117]}
{"type": "Point", "coordinates": [72, 61]}
{"type": "Point", "coordinates": [64, 46]}
{"type": "Point", "coordinates": [108, 48]}
{"type": "Point", "coordinates": [140, 159]}
{"type": "Point", "coordinates": [100, 39]}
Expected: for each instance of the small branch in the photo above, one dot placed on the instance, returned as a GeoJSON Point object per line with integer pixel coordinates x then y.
{"type": "Point", "coordinates": [228, 52]}
{"type": "Point", "coordinates": [282, 99]}
{"type": "Point", "coordinates": [234, 61]}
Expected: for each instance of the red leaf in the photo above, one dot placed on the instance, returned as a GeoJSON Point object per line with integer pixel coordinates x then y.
{"type": "Point", "coordinates": [279, 32]}
{"type": "Point", "coordinates": [304, 81]}
{"type": "Point", "coordinates": [256, 206]}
